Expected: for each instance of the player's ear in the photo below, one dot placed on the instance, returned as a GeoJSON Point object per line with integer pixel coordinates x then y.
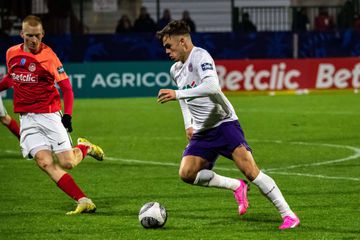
{"type": "Point", "coordinates": [182, 41]}
{"type": "Point", "coordinates": [22, 34]}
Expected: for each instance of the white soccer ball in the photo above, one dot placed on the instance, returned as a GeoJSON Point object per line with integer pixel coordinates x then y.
{"type": "Point", "coordinates": [152, 215]}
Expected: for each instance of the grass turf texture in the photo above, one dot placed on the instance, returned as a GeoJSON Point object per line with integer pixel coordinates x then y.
{"type": "Point", "coordinates": [144, 141]}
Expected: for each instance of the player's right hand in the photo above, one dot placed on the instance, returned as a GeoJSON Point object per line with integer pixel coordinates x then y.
{"type": "Point", "coordinates": [166, 95]}
{"type": "Point", "coordinates": [66, 121]}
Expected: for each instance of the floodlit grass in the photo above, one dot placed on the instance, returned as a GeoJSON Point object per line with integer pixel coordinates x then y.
{"type": "Point", "coordinates": [144, 141]}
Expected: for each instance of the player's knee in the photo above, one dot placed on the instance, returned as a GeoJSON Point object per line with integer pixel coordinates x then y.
{"type": "Point", "coordinates": [187, 175]}
{"type": "Point", "coordinates": [203, 177]}
{"type": "Point", "coordinates": [43, 163]}
{"type": "Point", "coordinates": [3, 120]}
{"type": "Point", "coordinates": [251, 173]}
{"type": "Point", "coordinates": [67, 159]}
{"type": "Point", "coordinates": [67, 164]}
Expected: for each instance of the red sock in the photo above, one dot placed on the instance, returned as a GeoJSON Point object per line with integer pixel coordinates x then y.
{"type": "Point", "coordinates": [68, 185]}
{"type": "Point", "coordinates": [14, 128]}
{"type": "Point", "coordinates": [84, 149]}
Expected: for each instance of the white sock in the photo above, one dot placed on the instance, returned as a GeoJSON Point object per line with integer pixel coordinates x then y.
{"type": "Point", "coordinates": [269, 188]}
{"type": "Point", "coordinates": [218, 181]}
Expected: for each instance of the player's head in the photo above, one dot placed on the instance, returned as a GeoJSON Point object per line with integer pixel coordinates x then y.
{"type": "Point", "coordinates": [32, 32]}
{"type": "Point", "coordinates": [176, 39]}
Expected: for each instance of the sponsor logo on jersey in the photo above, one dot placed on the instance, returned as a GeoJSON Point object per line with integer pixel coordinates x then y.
{"type": "Point", "coordinates": [22, 61]}
{"type": "Point", "coordinates": [60, 70]}
{"type": "Point", "coordinates": [207, 66]}
{"type": "Point", "coordinates": [24, 77]}
{"type": "Point", "coordinates": [189, 86]}
{"type": "Point", "coordinates": [32, 67]}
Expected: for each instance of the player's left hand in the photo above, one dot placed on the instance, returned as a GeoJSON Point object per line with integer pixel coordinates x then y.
{"type": "Point", "coordinates": [66, 121]}
{"type": "Point", "coordinates": [166, 95]}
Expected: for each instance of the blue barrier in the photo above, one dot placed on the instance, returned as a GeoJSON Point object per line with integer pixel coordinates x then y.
{"type": "Point", "coordinates": [227, 45]}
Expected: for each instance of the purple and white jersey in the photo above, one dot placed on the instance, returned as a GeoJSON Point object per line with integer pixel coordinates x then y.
{"type": "Point", "coordinates": [202, 102]}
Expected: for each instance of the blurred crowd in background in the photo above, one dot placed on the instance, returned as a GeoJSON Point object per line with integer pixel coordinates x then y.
{"type": "Point", "coordinates": [123, 30]}
{"type": "Point", "coordinates": [120, 16]}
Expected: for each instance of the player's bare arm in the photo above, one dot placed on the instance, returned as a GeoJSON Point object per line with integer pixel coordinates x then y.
{"type": "Point", "coordinates": [166, 95]}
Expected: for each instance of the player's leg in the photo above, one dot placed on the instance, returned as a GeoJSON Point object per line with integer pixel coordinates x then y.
{"type": "Point", "coordinates": [44, 160]}
{"type": "Point", "coordinates": [189, 168]}
{"type": "Point", "coordinates": [199, 158]}
{"type": "Point", "coordinates": [11, 124]}
{"type": "Point", "coordinates": [68, 156]}
{"type": "Point", "coordinates": [220, 140]}
{"type": "Point", "coordinates": [64, 180]}
{"type": "Point", "coordinates": [196, 170]}
{"type": "Point", "coordinates": [69, 159]}
{"type": "Point", "coordinates": [8, 121]}
{"type": "Point", "coordinates": [92, 149]}
{"type": "Point", "coordinates": [246, 163]}
{"type": "Point", "coordinates": [42, 144]}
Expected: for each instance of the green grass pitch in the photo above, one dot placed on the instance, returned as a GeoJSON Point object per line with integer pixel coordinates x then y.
{"type": "Point", "coordinates": [309, 144]}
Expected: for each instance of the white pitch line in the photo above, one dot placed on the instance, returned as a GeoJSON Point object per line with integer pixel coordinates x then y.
{"type": "Point", "coordinates": [295, 112]}
{"type": "Point", "coordinates": [271, 170]}
{"type": "Point", "coordinates": [351, 157]}
{"type": "Point", "coordinates": [159, 163]}
{"type": "Point", "coordinates": [313, 175]}
{"type": "Point", "coordinates": [142, 161]}
{"type": "Point", "coordinates": [232, 169]}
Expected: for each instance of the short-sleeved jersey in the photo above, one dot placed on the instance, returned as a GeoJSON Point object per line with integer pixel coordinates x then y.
{"type": "Point", "coordinates": [33, 77]}
{"type": "Point", "coordinates": [206, 112]}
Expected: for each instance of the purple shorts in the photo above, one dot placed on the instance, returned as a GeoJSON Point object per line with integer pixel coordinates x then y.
{"type": "Point", "coordinates": [221, 140]}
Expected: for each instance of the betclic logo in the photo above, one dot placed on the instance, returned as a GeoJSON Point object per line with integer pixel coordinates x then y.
{"type": "Point", "coordinates": [24, 77]}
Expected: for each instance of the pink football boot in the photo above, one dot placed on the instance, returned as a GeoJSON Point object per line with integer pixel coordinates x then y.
{"type": "Point", "coordinates": [240, 195]}
{"type": "Point", "coordinates": [290, 222]}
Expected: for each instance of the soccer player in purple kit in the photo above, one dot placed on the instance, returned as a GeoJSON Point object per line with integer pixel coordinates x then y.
{"type": "Point", "coordinates": [211, 124]}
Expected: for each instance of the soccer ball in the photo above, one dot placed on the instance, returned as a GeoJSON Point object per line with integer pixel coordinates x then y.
{"type": "Point", "coordinates": [152, 215]}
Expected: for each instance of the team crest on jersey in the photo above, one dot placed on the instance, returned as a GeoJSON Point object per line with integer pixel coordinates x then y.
{"type": "Point", "coordinates": [22, 61]}
{"type": "Point", "coordinates": [190, 67]}
{"type": "Point", "coordinates": [32, 67]}
{"type": "Point", "coordinates": [60, 69]}
{"type": "Point", "coordinates": [206, 66]}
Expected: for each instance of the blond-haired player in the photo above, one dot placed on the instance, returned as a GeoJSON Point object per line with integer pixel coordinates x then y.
{"type": "Point", "coordinates": [33, 70]}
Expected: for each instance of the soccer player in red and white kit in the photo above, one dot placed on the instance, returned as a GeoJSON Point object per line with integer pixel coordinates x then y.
{"type": "Point", "coordinates": [33, 69]}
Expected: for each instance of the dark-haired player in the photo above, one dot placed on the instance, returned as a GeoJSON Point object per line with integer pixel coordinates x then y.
{"type": "Point", "coordinates": [212, 125]}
